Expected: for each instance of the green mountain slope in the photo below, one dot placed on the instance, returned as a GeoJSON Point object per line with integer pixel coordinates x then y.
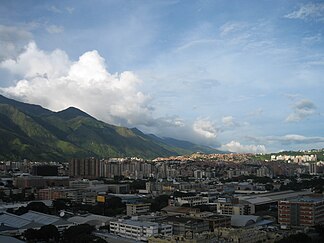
{"type": "Point", "coordinates": [32, 132]}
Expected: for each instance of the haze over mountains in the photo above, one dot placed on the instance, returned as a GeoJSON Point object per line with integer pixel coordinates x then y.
{"type": "Point", "coordinates": [35, 133]}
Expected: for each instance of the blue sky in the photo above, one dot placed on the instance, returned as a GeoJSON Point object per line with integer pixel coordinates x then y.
{"type": "Point", "coordinates": [244, 76]}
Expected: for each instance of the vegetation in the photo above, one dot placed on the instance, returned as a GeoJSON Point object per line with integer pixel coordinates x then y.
{"type": "Point", "coordinates": [32, 132]}
{"type": "Point", "coordinates": [317, 184]}
{"type": "Point", "coordinates": [80, 234]}
{"type": "Point", "coordinates": [159, 202]}
{"type": "Point", "coordinates": [34, 206]}
{"type": "Point", "coordinates": [297, 238]}
{"type": "Point", "coordinates": [47, 233]}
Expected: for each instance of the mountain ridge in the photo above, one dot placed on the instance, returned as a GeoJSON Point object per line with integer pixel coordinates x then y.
{"type": "Point", "coordinates": [36, 133]}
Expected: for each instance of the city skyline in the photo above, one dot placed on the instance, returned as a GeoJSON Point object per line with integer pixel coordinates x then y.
{"type": "Point", "coordinates": [239, 76]}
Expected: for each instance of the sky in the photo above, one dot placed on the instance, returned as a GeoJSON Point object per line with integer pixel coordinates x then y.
{"type": "Point", "coordinates": [241, 76]}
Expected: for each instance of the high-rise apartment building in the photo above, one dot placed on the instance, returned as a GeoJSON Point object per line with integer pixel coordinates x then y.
{"type": "Point", "coordinates": [86, 168]}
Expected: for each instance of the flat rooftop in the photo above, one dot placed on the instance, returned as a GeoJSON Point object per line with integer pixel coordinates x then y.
{"type": "Point", "coordinates": [273, 197]}
{"type": "Point", "coordinates": [314, 199]}
{"type": "Point", "coordinates": [137, 223]}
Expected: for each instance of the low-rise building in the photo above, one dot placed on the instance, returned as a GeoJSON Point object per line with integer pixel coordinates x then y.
{"type": "Point", "coordinates": [137, 208]}
{"type": "Point", "coordinates": [241, 235]}
{"type": "Point", "coordinates": [118, 188]}
{"type": "Point", "coordinates": [181, 225]}
{"type": "Point", "coordinates": [138, 230]}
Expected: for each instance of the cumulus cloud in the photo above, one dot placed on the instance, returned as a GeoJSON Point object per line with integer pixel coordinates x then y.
{"type": "Point", "coordinates": [54, 81]}
{"type": "Point", "coordinates": [237, 147]}
{"type": "Point", "coordinates": [54, 29]}
{"type": "Point", "coordinates": [302, 108]}
{"type": "Point", "coordinates": [12, 41]}
{"type": "Point", "coordinates": [206, 128]}
{"type": "Point", "coordinates": [308, 11]}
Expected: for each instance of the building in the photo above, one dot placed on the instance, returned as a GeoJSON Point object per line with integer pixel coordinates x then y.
{"type": "Point", "coordinates": [231, 206]}
{"type": "Point", "coordinates": [15, 225]}
{"type": "Point", "coordinates": [40, 181]}
{"type": "Point", "coordinates": [182, 225]}
{"type": "Point", "coordinates": [313, 168]}
{"type": "Point", "coordinates": [51, 193]}
{"type": "Point", "coordinates": [118, 188]}
{"type": "Point", "coordinates": [138, 230]}
{"type": "Point", "coordinates": [45, 170]}
{"type": "Point", "coordinates": [206, 237]}
{"type": "Point", "coordinates": [91, 219]}
{"type": "Point", "coordinates": [190, 200]}
{"type": "Point", "coordinates": [173, 210]}
{"type": "Point", "coordinates": [90, 168]}
{"type": "Point", "coordinates": [265, 200]}
{"type": "Point", "coordinates": [302, 211]}
{"type": "Point", "coordinates": [217, 221]}
{"type": "Point", "coordinates": [137, 208]}
{"type": "Point", "coordinates": [241, 235]}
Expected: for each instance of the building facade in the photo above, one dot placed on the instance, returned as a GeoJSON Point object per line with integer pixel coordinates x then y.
{"type": "Point", "coordinates": [138, 230]}
{"type": "Point", "coordinates": [301, 211]}
{"type": "Point", "coordinates": [137, 208]}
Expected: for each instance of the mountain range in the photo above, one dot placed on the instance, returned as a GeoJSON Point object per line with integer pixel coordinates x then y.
{"type": "Point", "coordinates": [32, 132]}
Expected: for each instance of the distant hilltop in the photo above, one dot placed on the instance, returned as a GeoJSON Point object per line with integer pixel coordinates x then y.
{"type": "Point", "coordinates": [32, 132]}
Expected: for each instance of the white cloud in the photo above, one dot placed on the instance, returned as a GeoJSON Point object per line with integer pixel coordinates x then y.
{"type": "Point", "coordinates": [205, 128]}
{"type": "Point", "coordinates": [255, 113]}
{"type": "Point", "coordinates": [52, 80]}
{"type": "Point", "coordinates": [308, 11]}
{"type": "Point", "coordinates": [302, 108]}
{"type": "Point", "coordinates": [34, 63]}
{"type": "Point", "coordinates": [311, 40]}
{"type": "Point", "coordinates": [237, 147]}
{"type": "Point", "coordinates": [54, 9]}
{"type": "Point", "coordinates": [228, 121]}
{"type": "Point", "coordinates": [70, 10]}
{"type": "Point", "coordinates": [54, 29]}
{"type": "Point", "coordinates": [231, 27]}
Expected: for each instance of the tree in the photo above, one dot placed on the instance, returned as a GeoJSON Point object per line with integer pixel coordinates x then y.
{"type": "Point", "coordinates": [160, 202]}
{"type": "Point", "coordinates": [38, 207]}
{"type": "Point", "coordinates": [45, 233]}
{"type": "Point", "coordinates": [75, 233]}
{"type": "Point", "coordinates": [61, 204]}
{"type": "Point", "coordinates": [31, 234]}
{"type": "Point", "coordinates": [49, 232]}
{"type": "Point", "coordinates": [115, 202]}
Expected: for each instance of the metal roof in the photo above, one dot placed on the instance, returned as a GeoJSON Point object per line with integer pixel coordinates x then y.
{"type": "Point", "coordinates": [16, 221]}
{"type": "Point", "coordinates": [44, 219]}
